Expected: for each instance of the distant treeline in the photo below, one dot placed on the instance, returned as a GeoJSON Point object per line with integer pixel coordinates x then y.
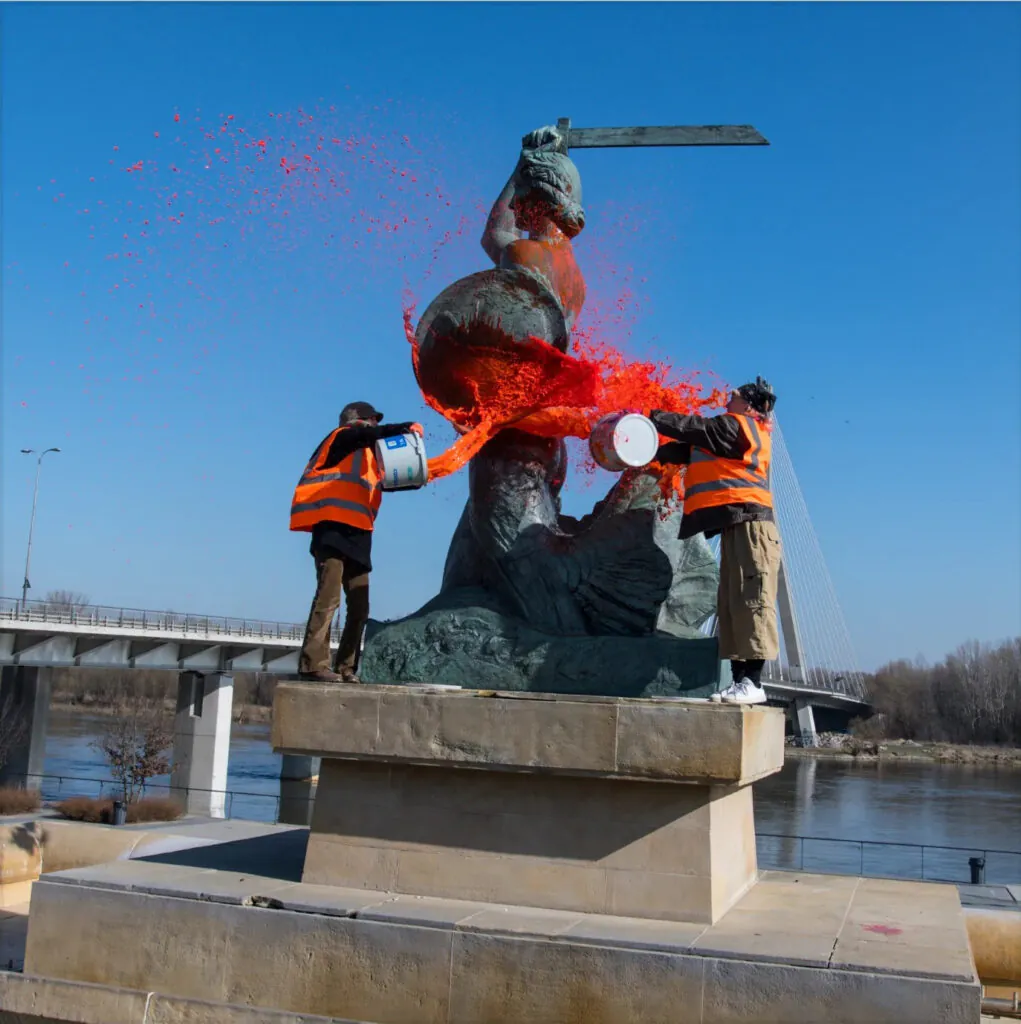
{"type": "Point", "coordinates": [972, 696]}
{"type": "Point", "coordinates": [105, 687]}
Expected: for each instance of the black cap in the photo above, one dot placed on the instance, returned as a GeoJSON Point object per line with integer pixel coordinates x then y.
{"type": "Point", "coordinates": [359, 411]}
{"type": "Point", "coordinates": [759, 395]}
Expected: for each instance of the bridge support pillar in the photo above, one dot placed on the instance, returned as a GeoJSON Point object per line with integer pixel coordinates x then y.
{"type": "Point", "coordinates": [202, 742]}
{"type": "Point", "coordinates": [803, 720]}
{"type": "Point", "coordinates": [299, 777]}
{"type": "Point", "coordinates": [24, 717]}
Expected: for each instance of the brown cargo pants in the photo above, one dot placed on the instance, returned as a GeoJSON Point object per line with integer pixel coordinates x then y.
{"type": "Point", "coordinates": [746, 606]}
{"type": "Point", "coordinates": [333, 575]}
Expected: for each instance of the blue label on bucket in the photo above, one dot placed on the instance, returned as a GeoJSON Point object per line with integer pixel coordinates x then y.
{"type": "Point", "coordinates": [396, 442]}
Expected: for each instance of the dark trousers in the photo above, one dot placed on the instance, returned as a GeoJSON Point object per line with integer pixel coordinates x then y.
{"type": "Point", "coordinates": [334, 574]}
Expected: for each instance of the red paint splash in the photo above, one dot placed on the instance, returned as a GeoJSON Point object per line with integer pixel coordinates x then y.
{"type": "Point", "coordinates": [538, 389]}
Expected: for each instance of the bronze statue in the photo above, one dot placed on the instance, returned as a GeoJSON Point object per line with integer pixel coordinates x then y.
{"type": "Point", "coordinates": [519, 575]}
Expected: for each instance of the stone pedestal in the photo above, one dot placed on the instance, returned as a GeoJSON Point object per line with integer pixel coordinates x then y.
{"type": "Point", "coordinates": [597, 805]}
{"type": "Point", "coordinates": [202, 742]}
{"type": "Point", "coordinates": [478, 858]}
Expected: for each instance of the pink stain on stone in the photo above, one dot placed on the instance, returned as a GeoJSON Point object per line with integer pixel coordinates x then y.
{"type": "Point", "coordinates": [882, 929]}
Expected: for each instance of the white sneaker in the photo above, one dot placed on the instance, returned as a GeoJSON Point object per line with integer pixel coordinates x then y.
{"type": "Point", "coordinates": [744, 691]}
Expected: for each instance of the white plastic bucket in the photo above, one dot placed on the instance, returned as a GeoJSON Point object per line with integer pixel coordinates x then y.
{"type": "Point", "coordinates": [624, 440]}
{"type": "Point", "coordinates": [402, 462]}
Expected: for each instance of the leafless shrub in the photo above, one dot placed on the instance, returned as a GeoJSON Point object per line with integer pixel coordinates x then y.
{"type": "Point", "coordinates": [99, 810]}
{"type": "Point", "coordinates": [134, 744]}
{"type": "Point", "coordinates": [15, 800]}
{"type": "Point", "coordinates": [86, 808]}
{"type": "Point", "coordinates": [154, 808]}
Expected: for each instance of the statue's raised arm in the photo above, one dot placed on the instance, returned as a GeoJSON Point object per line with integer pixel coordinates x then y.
{"type": "Point", "coordinates": [506, 223]}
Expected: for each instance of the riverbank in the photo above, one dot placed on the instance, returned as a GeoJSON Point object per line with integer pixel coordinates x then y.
{"type": "Point", "coordinates": [846, 748]}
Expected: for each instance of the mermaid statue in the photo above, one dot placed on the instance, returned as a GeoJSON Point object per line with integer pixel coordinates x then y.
{"type": "Point", "coordinates": [531, 598]}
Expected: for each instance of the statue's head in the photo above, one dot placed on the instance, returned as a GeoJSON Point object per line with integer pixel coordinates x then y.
{"type": "Point", "coordinates": [548, 188]}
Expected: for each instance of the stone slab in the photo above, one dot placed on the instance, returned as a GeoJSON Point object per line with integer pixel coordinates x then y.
{"type": "Point", "coordinates": [497, 964]}
{"type": "Point", "coordinates": [904, 926]}
{"type": "Point", "coordinates": [28, 999]}
{"type": "Point", "coordinates": [73, 844]}
{"type": "Point", "coordinates": [668, 741]}
{"type": "Point", "coordinates": [155, 879]}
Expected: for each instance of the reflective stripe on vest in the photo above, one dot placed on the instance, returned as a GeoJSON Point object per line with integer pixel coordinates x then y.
{"type": "Point", "coordinates": [348, 493]}
{"type": "Point", "coordinates": [711, 481]}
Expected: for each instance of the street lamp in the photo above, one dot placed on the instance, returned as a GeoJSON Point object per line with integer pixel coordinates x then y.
{"type": "Point", "coordinates": [31, 522]}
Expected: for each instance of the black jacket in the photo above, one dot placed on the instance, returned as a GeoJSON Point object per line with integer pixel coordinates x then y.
{"type": "Point", "coordinates": [342, 540]}
{"type": "Point", "coordinates": [722, 436]}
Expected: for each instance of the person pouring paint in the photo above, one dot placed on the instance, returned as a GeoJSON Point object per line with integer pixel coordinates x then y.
{"type": "Point", "coordinates": [726, 492]}
{"type": "Point", "coordinates": [337, 500]}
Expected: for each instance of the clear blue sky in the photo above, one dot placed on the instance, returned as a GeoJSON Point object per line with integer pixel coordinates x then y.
{"type": "Point", "coordinates": [867, 263]}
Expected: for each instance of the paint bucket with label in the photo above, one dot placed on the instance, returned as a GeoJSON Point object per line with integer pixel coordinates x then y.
{"type": "Point", "coordinates": [624, 440]}
{"type": "Point", "coordinates": [402, 462]}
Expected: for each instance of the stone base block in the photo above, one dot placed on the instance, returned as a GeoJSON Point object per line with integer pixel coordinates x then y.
{"type": "Point", "coordinates": [681, 853]}
{"type": "Point", "coordinates": [797, 948]}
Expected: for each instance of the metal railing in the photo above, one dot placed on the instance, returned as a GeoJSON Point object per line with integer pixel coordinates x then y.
{"type": "Point", "coordinates": [778, 851]}
{"type": "Point", "coordinates": [884, 859]}
{"type": "Point", "coordinates": [147, 621]}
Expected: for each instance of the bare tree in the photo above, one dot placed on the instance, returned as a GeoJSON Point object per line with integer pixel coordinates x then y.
{"type": "Point", "coordinates": [972, 696]}
{"type": "Point", "coordinates": [66, 601]}
{"type": "Point", "coordinates": [135, 743]}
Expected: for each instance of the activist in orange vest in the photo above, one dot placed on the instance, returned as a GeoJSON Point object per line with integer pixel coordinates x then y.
{"type": "Point", "coordinates": [726, 492]}
{"type": "Point", "coordinates": [337, 500]}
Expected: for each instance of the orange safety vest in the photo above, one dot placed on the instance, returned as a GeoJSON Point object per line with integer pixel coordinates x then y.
{"type": "Point", "coordinates": [710, 481]}
{"type": "Point", "coordinates": [346, 493]}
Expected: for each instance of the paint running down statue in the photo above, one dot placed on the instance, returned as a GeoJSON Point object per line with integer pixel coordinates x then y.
{"type": "Point", "coordinates": [533, 599]}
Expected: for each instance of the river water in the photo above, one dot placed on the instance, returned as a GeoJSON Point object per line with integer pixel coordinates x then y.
{"type": "Point", "coordinates": [870, 804]}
